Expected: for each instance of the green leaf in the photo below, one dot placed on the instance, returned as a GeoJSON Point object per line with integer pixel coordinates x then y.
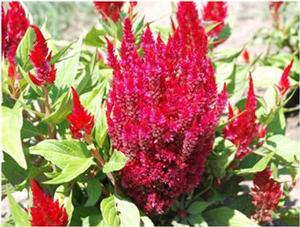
{"type": "Point", "coordinates": [146, 221]}
{"type": "Point", "coordinates": [93, 191]}
{"type": "Point", "coordinates": [86, 216]}
{"type": "Point", "coordinates": [221, 157]}
{"type": "Point", "coordinates": [64, 197]}
{"type": "Point", "coordinates": [61, 153]}
{"type": "Point", "coordinates": [195, 213]}
{"type": "Point", "coordinates": [93, 37]}
{"type": "Point", "coordinates": [286, 148]}
{"type": "Point", "coordinates": [12, 121]}
{"type": "Point", "coordinates": [290, 216]}
{"type": "Point", "coordinates": [56, 58]}
{"type": "Point", "coordinates": [128, 213]}
{"type": "Point", "coordinates": [62, 108]}
{"type": "Point", "coordinates": [227, 217]}
{"type": "Point", "coordinates": [24, 47]}
{"type": "Point", "coordinates": [116, 162]}
{"type": "Point", "coordinates": [278, 123]}
{"type": "Point", "coordinates": [109, 211]}
{"type": "Point", "coordinates": [19, 215]}
{"type": "Point", "coordinates": [72, 170]}
{"type": "Point", "coordinates": [258, 167]}
{"type": "Point", "coordinates": [266, 76]}
{"type": "Point", "coordinates": [66, 70]}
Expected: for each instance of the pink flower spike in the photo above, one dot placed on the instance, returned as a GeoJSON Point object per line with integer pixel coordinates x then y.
{"type": "Point", "coordinates": [81, 122]}
{"type": "Point", "coordinates": [45, 211]}
{"type": "Point", "coordinates": [284, 83]}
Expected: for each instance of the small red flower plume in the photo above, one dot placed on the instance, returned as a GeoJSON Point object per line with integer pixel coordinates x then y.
{"type": "Point", "coordinates": [215, 12]}
{"type": "Point", "coordinates": [81, 122]}
{"type": "Point", "coordinates": [246, 56]}
{"type": "Point", "coordinates": [266, 194]}
{"type": "Point", "coordinates": [45, 211]}
{"type": "Point", "coordinates": [244, 129]}
{"type": "Point", "coordinates": [274, 8]}
{"type": "Point", "coordinates": [14, 24]}
{"type": "Point", "coordinates": [109, 9]}
{"type": "Point", "coordinates": [40, 58]}
{"type": "Point", "coordinates": [163, 110]}
{"type": "Point", "coordinates": [284, 83]}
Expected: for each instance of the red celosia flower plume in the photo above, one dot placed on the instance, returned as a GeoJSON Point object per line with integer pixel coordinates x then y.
{"type": "Point", "coordinates": [109, 9]}
{"type": "Point", "coordinates": [266, 194]}
{"type": "Point", "coordinates": [246, 56]}
{"type": "Point", "coordinates": [45, 211]}
{"type": "Point", "coordinates": [81, 122]}
{"type": "Point", "coordinates": [284, 83]}
{"type": "Point", "coordinates": [274, 8]}
{"type": "Point", "coordinates": [14, 24]}
{"type": "Point", "coordinates": [244, 129]}
{"type": "Point", "coordinates": [163, 110]}
{"type": "Point", "coordinates": [40, 58]}
{"type": "Point", "coordinates": [215, 12]}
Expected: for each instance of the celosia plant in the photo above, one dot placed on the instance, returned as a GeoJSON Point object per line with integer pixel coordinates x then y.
{"type": "Point", "coordinates": [163, 110]}
{"type": "Point", "coordinates": [45, 211]}
{"type": "Point", "coordinates": [266, 194]}
{"type": "Point", "coordinates": [284, 83]}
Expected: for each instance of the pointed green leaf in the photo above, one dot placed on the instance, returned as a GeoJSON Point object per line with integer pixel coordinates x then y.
{"type": "Point", "coordinates": [116, 162]}
{"type": "Point", "coordinates": [19, 215]}
{"type": "Point", "coordinates": [12, 121]}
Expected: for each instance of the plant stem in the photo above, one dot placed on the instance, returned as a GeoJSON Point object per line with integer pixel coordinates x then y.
{"type": "Point", "coordinates": [51, 127]}
{"type": "Point", "coordinates": [101, 162]}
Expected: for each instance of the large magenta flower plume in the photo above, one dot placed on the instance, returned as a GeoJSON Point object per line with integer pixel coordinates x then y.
{"type": "Point", "coordinates": [45, 211]}
{"type": "Point", "coordinates": [163, 110]}
{"type": "Point", "coordinates": [40, 57]}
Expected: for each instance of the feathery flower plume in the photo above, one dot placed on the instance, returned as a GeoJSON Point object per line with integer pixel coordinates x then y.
{"type": "Point", "coordinates": [215, 12]}
{"type": "Point", "coordinates": [284, 83]}
{"type": "Point", "coordinates": [109, 9]}
{"type": "Point", "coordinates": [40, 57]}
{"type": "Point", "coordinates": [163, 110]}
{"type": "Point", "coordinates": [266, 194]}
{"type": "Point", "coordinates": [14, 24]}
{"type": "Point", "coordinates": [244, 129]}
{"type": "Point", "coordinates": [45, 211]}
{"type": "Point", "coordinates": [81, 122]}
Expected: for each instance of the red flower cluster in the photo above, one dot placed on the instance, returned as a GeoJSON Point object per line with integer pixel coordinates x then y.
{"type": "Point", "coordinates": [45, 211]}
{"type": "Point", "coordinates": [40, 58]}
{"type": "Point", "coordinates": [217, 13]}
{"type": "Point", "coordinates": [266, 194]}
{"type": "Point", "coordinates": [109, 9]}
{"type": "Point", "coordinates": [243, 130]}
{"type": "Point", "coordinates": [14, 25]}
{"type": "Point", "coordinates": [81, 122]}
{"type": "Point", "coordinates": [284, 83]}
{"type": "Point", "coordinates": [163, 110]}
